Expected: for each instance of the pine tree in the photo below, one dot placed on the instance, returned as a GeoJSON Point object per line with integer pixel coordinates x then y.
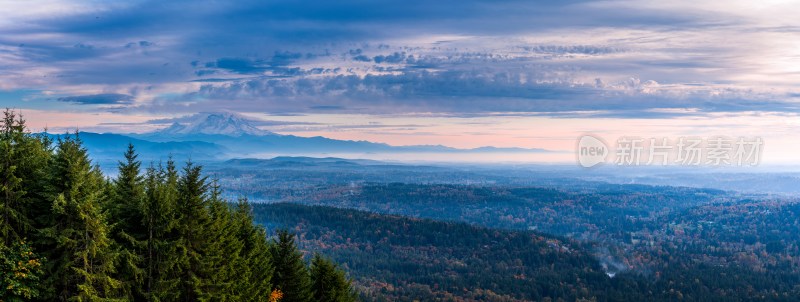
{"type": "Point", "coordinates": [37, 181]}
{"type": "Point", "coordinates": [223, 266]}
{"type": "Point", "coordinates": [13, 222]}
{"type": "Point", "coordinates": [129, 194]}
{"type": "Point", "coordinates": [128, 230]}
{"type": "Point", "coordinates": [193, 220]}
{"type": "Point", "coordinates": [83, 259]}
{"type": "Point", "coordinates": [328, 282]}
{"type": "Point", "coordinates": [291, 275]}
{"type": "Point", "coordinates": [162, 281]}
{"type": "Point", "coordinates": [256, 276]}
{"type": "Point", "coordinates": [23, 159]}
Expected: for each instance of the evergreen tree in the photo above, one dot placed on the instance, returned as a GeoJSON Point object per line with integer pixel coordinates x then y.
{"type": "Point", "coordinates": [257, 272]}
{"type": "Point", "coordinates": [290, 275]}
{"type": "Point", "coordinates": [23, 208]}
{"type": "Point", "coordinates": [128, 230]}
{"type": "Point", "coordinates": [162, 271]}
{"type": "Point", "coordinates": [192, 231]}
{"type": "Point", "coordinates": [37, 181]}
{"type": "Point", "coordinates": [82, 262]}
{"type": "Point", "coordinates": [13, 222]}
{"type": "Point", "coordinates": [222, 255]}
{"type": "Point", "coordinates": [329, 283]}
{"type": "Point", "coordinates": [23, 159]}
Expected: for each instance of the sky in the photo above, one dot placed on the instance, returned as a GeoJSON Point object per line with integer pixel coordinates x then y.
{"type": "Point", "coordinates": [467, 73]}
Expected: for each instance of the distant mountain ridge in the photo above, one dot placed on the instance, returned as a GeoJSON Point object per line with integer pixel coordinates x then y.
{"type": "Point", "coordinates": [223, 135]}
{"type": "Point", "coordinates": [106, 149]}
{"type": "Point", "coordinates": [244, 138]}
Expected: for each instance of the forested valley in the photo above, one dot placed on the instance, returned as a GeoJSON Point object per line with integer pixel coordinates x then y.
{"type": "Point", "coordinates": [651, 242]}
{"type": "Point", "coordinates": [395, 258]}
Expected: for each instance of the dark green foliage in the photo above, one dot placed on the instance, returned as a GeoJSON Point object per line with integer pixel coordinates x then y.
{"type": "Point", "coordinates": [161, 186]}
{"type": "Point", "coordinates": [12, 224]}
{"type": "Point", "coordinates": [329, 282]}
{"type": "Point", "coordinates": [257, 271]}
{"type": "Point", "coordinates": [126, 206]}
{"type": "Point", "coordinates": [23, 159]}
{"type": "Point", "coordinates": [25, 208]}
{"type": "Point", "coordinates": [160, 235]}
{"type": "Point", "coordinates": [193, 219]}
{"type": "Point", "coordinates": [82, 261]}
{"type": "Point", "coordinates": [222, 259]}
{"type": "Point", "coordinates": [291, 275]}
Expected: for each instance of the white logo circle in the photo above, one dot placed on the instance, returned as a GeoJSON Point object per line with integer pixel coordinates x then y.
{"type": "Point", "coordinates": [591, 151]}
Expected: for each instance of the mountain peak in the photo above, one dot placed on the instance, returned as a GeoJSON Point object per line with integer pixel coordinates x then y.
{"type": "Point", "coordinates": [219, 123]}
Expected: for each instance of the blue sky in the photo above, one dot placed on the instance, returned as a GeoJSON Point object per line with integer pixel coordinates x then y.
{"type": "Point", "coordinates": [505, 73]}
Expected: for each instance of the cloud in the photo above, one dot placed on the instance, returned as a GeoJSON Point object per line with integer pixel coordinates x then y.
{"type": "Point", "coordinates": [248, 65]}
{"type": "Point", "coordinates": [548, 90]}
{"type": "Point", "coordinates": [627, 59]}
{"type": "Point", "coordinates": [238, 65]}
{"type": "Point", "coordinates": [99, 99]}
{"type": "Point", "coordinates": [348, 19]}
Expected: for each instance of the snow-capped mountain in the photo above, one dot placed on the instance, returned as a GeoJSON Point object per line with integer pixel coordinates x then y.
{"type": "Point", "coordinates": [214, 123]}
{"type": "Point", "coordinates": [229, 135]}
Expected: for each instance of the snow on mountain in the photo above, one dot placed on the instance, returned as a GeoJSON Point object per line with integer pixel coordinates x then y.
{"type": "Point", "coordinates": [219, 123]}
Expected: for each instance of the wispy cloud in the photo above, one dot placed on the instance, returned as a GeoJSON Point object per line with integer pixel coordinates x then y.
{"type": "Point", "coordinates": [99, 99]}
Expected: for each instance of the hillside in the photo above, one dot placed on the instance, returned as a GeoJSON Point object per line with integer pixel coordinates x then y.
{"type": "Point", "coordinates": [395, 258]}
{"type": "Point", "coordinates": [405, 259]}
